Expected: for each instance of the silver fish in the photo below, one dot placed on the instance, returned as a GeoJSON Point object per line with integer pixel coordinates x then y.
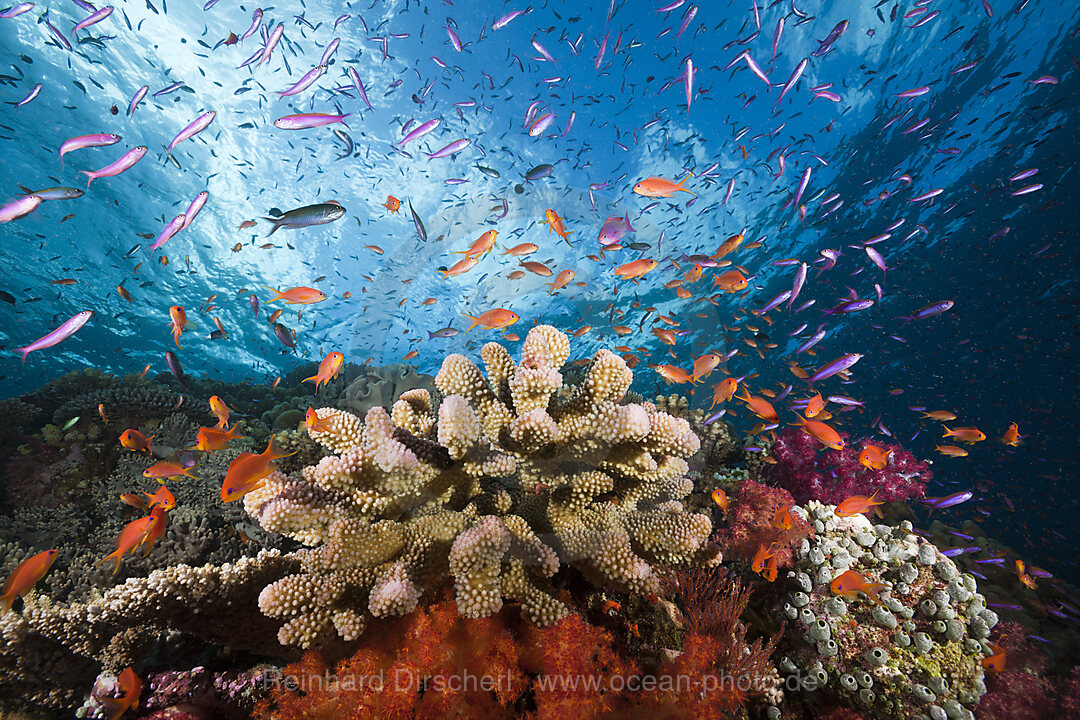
{"type": "Point", "coordinates": [306, 216]}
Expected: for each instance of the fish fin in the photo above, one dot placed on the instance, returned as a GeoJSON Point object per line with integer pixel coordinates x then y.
{"type": "Point", "coordinates": [6, 601]}
{"type": "Point", "coordinates": [89, 177]}
{"type": "Point", "coordinates": [313, 377]}
{"type": "Point", "coordinates": [276, 452]}
{"type": "Point", "coordinates": [475, 322]}
{"type": "Point", "coordinates": [275, 221]}
{"type": "Point", "coordinates": [115, 707]}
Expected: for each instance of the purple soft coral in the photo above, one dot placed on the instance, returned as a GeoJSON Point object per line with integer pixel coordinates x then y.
{"type": "Point", "coordinates": [832, 475]}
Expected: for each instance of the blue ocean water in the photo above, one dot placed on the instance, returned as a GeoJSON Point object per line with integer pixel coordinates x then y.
{"type": "Point", "coordinates": [1000, 98]}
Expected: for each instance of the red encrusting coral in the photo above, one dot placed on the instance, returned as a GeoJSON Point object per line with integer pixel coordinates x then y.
{"type": "Point", "coordinates": [747, 525]}
{"type": "Point", "coordinates": [829, 476]}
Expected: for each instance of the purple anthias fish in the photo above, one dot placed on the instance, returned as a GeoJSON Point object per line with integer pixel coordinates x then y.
{"type": "Point", "coordinates": [271, 43]}
{"type": "Point", "coordinates": [137, 98]}
{"type": "Point", "coordinates": [194, 208]}
{"type": "Point", "coordinates": [29, 97]}
{"type": "Point", "coordinates": [778, 300]}
{"type": "Point", "coordinates": [60, 334]}
{"type": "Point", "coordinates": [256, 21]}
{"type": "Point", "coordinates": [797, 285]}
{"type": "Point", "coordinates": [87, 141]}
{"type": "Point", "coordinates": [305, 82]}
{"type": "Point", "coordinates": [505, 19]}
{"type": "Point", "coordinates": [126, 161]}
{"type": "Point", "coordinates": [175, 225]}
{"type": "Point", "coordinates": [454, 147]}
{"type": "Point", "coordinates": [282, 333]}
{"type": "Point", "coordinates": [928, 311]}
{"type": "Point", "coordinates": [811, 341]}
{"type": "Point", "coordinates": [420, 132]}
{"type": "Point", "coordinates": [194, 128]}
{"type": "Point", "coordinates": [253, 300]}
{"type": "Point", "coordinates": [850, 306]}
{"type": "Point", "coordinates": [303, 121]}
{"type": "Point", "coordinates": [836, 366]}
{"type": "Point", "coordinates": [173, 364]}
{"type": "Point", "coordinates": [614, 229]}
{"type": "Point", "coordinates": [92, 19]}
{"type": "Point", "coordinates": [17, 10]}
{"type": "Point", "coordinates": [17, 208]}
{"type": "Point", "coordinates": [949, 500]}
{"type": "Point", "coordinates": [833, 36]}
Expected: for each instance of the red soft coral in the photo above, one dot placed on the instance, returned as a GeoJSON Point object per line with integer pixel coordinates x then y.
{"type": "Point", "coordinates": [829, 476]}
{"type": "Point", "coordinates": [748, 525]}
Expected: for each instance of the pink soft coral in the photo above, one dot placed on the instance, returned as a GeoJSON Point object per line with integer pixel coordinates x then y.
{"type": "Point", "coordinates": [829, 476]}
{"type": "Point", "coordinates": [747, 525]}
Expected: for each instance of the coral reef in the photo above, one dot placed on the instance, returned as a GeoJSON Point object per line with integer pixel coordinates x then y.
{"type": "Point", "coordinates": [748, 526]}
{"type": "Point", "coordinates": [499, 488]}
{"type": "Point", "coordinates": [917, 654]}
{"type": "Point", "coordinates": [830, 476]}
{"type": "Point", "coordinates": [718, 441]}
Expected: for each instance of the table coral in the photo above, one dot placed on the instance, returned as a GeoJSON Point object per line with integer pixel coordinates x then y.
{"type": "Point", "coordinates": [506, 482]}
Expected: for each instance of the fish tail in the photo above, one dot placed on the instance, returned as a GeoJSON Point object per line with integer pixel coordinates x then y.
{"type": "Point", "coordinates": [274, 451]}
{"type": "Point", "coordinates": [114, 707]}
{"type": "Point", "coordinates": [88, 173]}
{"type": "Point", "coordinates": [279, 294]}
{"type": "Point", "coordinates": [475, 321]}
{"type": "Point", "coordinates": [117, 554]}
{"type": "Point", "coordinates": [313, 377]}
{"type": "Point", "coordinates": [274, 229]}
{"type": "Point", "coordinates": [6, 601]}
{"type": "Point", "coordinates": [948, 432]}
{"type": "Point", "coordinates": [24, 351]}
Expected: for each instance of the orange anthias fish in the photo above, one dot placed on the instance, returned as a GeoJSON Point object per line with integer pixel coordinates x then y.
{"type": "Point", "coordinates": [939, 415]}
{"type": "Point", "coordinates": [965, 434]}
{"type": "Point", "coordinates": [730, 281]}
{"type": "Point", "coordinates": [164, 470]}
{"type": "Point", "coordinates": [724, 391]}
{"type": "Point", "coordinates": [25, 576]}
{"type": "Point", "coordinates": [178, 323]}
{"type": "Point", "coordinates": [721, 499]}
{"type": "Point", "coordinates": [561, 280]}
{"type": "Point", "coordinates": [247, 471]}
{"type": "Point", "coordinates": [951, 450]}
{"type": "Point", "coordinates": [857, 505]}
{"type": "Point", "coordinates": [635, 269]}
{"type": "Point", "coordinates": [874, 458]}
{"type": "Point", "coordinates": [522, 249]}
{"type": "Point", "coordinates": [995, 662]}
{"type": "Point", "coordinates": [758, 563]}
{"type": "Point", "coordinates": [392, 204]}
{"type": "Point", "coordinates": [666, 336]}
{"type": "Point", "coordinates": [130, 538]}
{"type": "Point", "coordinates": [494, 319]}
{"type": "Point", "coordinates": [823, 433]}
{"type": "Point", "coordinates": [814, 406]}
{"type": "Point", "coordinates": [537, 268]}
{"type": "Point", "coordinates": [554, 222]}
{"type": "Point", "coordinates": [1012, 436]}
{"type": "Point", "coordinates": [133, 440]}
{"type": "Point", "coordinates": [1025, 578]}
{"type": "Point", "coordinates": [461, 267]}
{"type": "Point", "coordinates": [130, 687]}
{"type": "Point", "coordinates": [849, 584]}
{"type": "Point", "coordinates": [159, 519]}
{"type": "Point", "coordinates": [328, 369]}
{"type": "Point", "coordinates": [704, 365]}
{"type": "Point", "coordinates": [298, 295]}
{"type": "Point", "coordinates": [314, 422]}
{"type": "Point", "coordinates": [760, 407]}
{"type": "Point", "coordinates": [659, 187]}
{"type": "Point", "coordinates": [483, 245]}
{"type": "Point", "coordinates": [210, 439]}
{"type": "Point", "coordinates": [220, 410]}
{"type": "Point", "coordinates": [781, 519]}
{"type": "Point", "coordinates": [728, 246]}
{"type": "Point", "coordinates": [162, 496]}
{"type": "Point", "coordinates": [672, 374]}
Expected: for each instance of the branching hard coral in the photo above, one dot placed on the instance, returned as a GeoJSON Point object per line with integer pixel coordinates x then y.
{"type": "Point", "coordinates": [498, 488]}
{"type": "Point", "coordinates": [830, 476]}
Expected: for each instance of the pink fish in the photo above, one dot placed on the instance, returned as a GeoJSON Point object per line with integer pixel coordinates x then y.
{"type": "Point", "coordinates": [197, 126]}
{"type": "Point", "coordinates": [454, 39]}
{"type": "Point", "coordinates": [125, 162]}
{"type": "Point", "coordinates": [137, 98]}
{"type": "Point", "coordinates": [451, 149]}
{"type": "Point", "coordinates": [271, 43]}
{"type": "Point", "coordinates": [86, 141]}
{"type": "Point", "coordinates": [305, 82]}
{"type": "Point", "coordinates": [688, 80]}
{"type": "Point", "coordinates": [614, 229]}
{"type": "Point", "coordinates": [359, 86]}
{"type": "Point", "coordinates": [420, 132]}
{"type": "Point", "coordinates": [256, 21]}
{"type": "Point", "coordinates": [92, 19]}
{"type": "Point", "coordinates": [17, 208]}
{"type": "Point", "coordinates": [60, 334]}
{"type": "Point", "coordinates": [17, 10]}
{"type": "Point", "coordinates": [505, 19]}
{"type": "Point", "coordinates": [303, 121]}
{"type": "Point", "coordinates": [194, 208]}
{"type": "Point", "coordinates": [795, 75]}
{"type": "Point", "coordinates": [175, 225]}
{"type": "Point", "coordinates": [541, 124]}
{"type": "Point", "coordinates": [30, 96]}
